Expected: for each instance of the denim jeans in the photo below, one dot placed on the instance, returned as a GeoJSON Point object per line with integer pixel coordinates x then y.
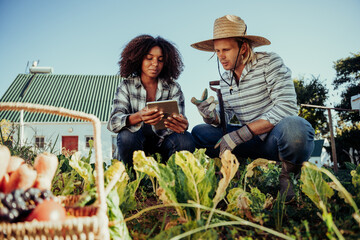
{"type": "Point", "coordinates": [145, 139]}
{"type": "Point", "coordinates": [292, 139]}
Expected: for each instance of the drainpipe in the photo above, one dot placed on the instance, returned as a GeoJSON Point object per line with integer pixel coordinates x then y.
{"type": "Point", "coordinates": [21, 128]}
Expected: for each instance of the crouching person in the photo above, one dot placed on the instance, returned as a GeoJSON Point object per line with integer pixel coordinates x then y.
{"type": "Point", "coordinates": [257, 88]}
{"type": "Point", "coordinates": [149, 67]}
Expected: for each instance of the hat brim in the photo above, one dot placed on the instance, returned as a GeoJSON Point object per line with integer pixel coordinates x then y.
{"type": "Point", "coordinates": [208, 45]}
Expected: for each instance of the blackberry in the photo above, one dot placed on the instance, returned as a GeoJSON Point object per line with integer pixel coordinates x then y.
{"type": "Point", "coordinates": [18, 204]}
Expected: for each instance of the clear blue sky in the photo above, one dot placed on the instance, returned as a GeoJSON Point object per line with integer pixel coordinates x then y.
{"type": "Point", "coordinates": [86, 37]}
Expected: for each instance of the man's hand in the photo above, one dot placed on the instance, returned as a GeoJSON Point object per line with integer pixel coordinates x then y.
{"type": "Point", "coordinates": [206, 107]}
{"type": "Point", "coordinates": [232, 139]}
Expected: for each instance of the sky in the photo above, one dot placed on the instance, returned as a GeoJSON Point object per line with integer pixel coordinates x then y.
{"type": "Point", "coordinates": [87, 36]}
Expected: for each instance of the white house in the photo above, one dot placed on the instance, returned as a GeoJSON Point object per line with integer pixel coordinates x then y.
{"type": "Point", "coordinates": [320, 156]}
{"type": "Point", "coordinates": [91, 94]}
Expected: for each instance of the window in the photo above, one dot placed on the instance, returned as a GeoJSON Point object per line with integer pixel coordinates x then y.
{"type": "Point", "coordinates": [87, 139]}
{"type": "Point", "coordinates": [40, 142]}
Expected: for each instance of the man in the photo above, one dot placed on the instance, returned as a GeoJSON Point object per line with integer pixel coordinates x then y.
{"type": "Point", "coordinates": [257, 88]}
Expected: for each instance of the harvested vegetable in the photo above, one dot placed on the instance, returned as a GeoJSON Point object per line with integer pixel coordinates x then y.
{"type": "Point", "coordinates": [45, 164]}
{"type": "Point", "coordinates": [4, 160]}
{"type": "Point", "coordinates": [48, 210]}
{"type": "Point", "coordinates": [14, 163]}
{"type": "Point", "coordinates": [24, 178]}
{"type": "Point", "coordinates": [4, 181]}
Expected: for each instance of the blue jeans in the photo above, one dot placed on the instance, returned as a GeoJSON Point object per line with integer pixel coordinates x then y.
{"type": "Point", "coordinates": [146, 140]}
{"type": "Point", "coordinates": [292, 139]}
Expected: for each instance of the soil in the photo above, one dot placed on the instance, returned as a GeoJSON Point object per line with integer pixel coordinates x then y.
{"type": "Point", "coordinates": [150, 223]}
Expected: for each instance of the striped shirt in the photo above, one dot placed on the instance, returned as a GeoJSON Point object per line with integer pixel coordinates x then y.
{"type": "Point", "coordinates": [266, 91]}
{"type": "Point", "coordinates": [130, 97]}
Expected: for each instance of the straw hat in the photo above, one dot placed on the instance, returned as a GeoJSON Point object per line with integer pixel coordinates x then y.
{"type": "Point", "coordinates": [227, 27]}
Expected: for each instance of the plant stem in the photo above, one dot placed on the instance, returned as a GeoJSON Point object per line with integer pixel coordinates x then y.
{"type": "Point", "coordinates": [338, 184]}
{"type": "Point", "coordinates": [239, 220]}
{"type": "Point", "coordinates": [220, 224]}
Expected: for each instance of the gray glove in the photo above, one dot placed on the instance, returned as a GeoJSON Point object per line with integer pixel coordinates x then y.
{"type": "Point", "coordinates": [206, 107]}
{"type": "Point", "coordinates": [232, 139]}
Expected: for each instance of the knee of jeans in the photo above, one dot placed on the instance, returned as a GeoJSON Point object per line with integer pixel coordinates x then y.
{"type": "Point", "coordinates": [298, 137]}
{"type": "Point", "coordinates": [295, 127]}
{"type": "Point", "coordinates": [196, 130]}
{"type": "Point", "coordinates": [180, 142]}
{"type": "Point", "coordinates": [188, 142]}
{"type": "Point", "coordinates": [199, 133]}
{"type": "Point", "coordinates": [126, 138]}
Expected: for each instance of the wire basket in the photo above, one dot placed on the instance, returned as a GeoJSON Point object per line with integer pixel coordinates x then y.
{"type": "Point", "coordinates": [90, 222]}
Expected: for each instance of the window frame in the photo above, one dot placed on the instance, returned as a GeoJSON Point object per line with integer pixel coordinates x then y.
{"type": "Point", "coordinates": [87, 139]}
{"type": "Point", "coordinates": [39, 144]}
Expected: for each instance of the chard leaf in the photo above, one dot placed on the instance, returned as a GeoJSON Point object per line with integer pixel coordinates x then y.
{"type": "Point", "coordinates": [117, 168]}
{"type": "Point", "coordinates": [118, 230]}
{"type": "Point", "coordinates": [256, 163]}
{"type": "Point", "coordinates": [199, 176]}
{"type": "Point", "coordinates": [164, 175]}
{"type": "Point", "coordinates": [251, 205]}
{"type": "Point", "coordinates": [194, 173]}
{"type": "Point", "coordinates": [314, 186]}
{"type": "Point", "coordinates": [145, 164]}
{"type": "Point", "coordinates": [229, 167]}
{"type": "Point", "coordinates": [207, 186]}
{"type": "Point", "coordinates": [340, 193]}
{"type": "Point", "coordinates": [69, 183]}
{"type": "Point", "coordinates": [127, 193]}
{"type": "Point", "coordinates": [83, 169]}
{"type": "Point", "coordinates": [239, 202]}
{"type": "Point", "coordinates": [201, 156]}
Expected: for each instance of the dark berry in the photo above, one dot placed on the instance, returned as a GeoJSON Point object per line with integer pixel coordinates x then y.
{"type": "Point", "coordinates": [46, 194]}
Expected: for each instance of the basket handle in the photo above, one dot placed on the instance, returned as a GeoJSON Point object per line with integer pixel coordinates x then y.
{"type": "Point", "coordinates": [99, 178]}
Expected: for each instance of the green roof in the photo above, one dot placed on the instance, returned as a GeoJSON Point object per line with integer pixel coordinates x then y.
{"type": "Point", "coordinates": [91, 94]}
{"type": "Point", "coordinates": [318, 145]}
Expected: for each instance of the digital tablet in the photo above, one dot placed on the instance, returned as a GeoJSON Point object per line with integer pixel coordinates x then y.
{"type": "Point", "coordinates": [168, 107]}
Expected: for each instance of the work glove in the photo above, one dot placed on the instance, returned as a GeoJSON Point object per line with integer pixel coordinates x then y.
{"type": "Point", "coordinates": [232, 139]}
{"type": "Point", "coordinates": [206, 107]}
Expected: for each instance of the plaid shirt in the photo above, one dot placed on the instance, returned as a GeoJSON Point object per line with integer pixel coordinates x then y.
{"type": "Point", "coordinates": [130, 97]}
{"type": "Point", "coordinates": [266, 91]}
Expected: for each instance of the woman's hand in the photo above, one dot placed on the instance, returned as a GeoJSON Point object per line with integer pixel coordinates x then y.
{"type": "Point", "coordinates": [150, 116]}
{"type": "Point", "coordinates": [177, 123]}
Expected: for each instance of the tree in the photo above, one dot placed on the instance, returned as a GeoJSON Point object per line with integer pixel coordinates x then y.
{"type": "Point", "coordinates": [348, 130]}
{"type": "Point", "coordinates": [315, 93]}
{"type": "Point", "coordinates": [348, 77]}
{"type": "Point", "coordinates": [348, 137]}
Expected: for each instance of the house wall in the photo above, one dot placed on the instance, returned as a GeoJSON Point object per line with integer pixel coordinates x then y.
{"type": "Point", "coordinates": [51, 131]}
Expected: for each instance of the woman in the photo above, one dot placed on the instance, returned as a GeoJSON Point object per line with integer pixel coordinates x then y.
{"type": "Point", "coordinates": [149, 67]}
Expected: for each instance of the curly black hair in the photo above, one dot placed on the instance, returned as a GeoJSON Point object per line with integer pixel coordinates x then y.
{"type": "Point", "coordinates": [134, 52]}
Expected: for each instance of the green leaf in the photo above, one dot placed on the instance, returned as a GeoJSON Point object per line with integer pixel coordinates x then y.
{"type": "Point", "coordinates": [194, 172]}
{"type": "Point", "coordinates": [69, 183]}
{"type": "Point", "coordinates": [314, 186]}
{"type": "Point", "coordinates": [239, 202]}
{"type": "Point", "coordinates": [279, 210]}
{"type": "Point", "coordinates": [164, 175]}
{"type": "Point", "coordinates": [356, 177]}
{"type": "Point", "coordinates": [127, 193]}
{"type": "Point", "coordinates": [83, 169]}
{"type": "Point", "coordinates": [119, 230]}
{"type": "Point", "coordinates": [117, 168]}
